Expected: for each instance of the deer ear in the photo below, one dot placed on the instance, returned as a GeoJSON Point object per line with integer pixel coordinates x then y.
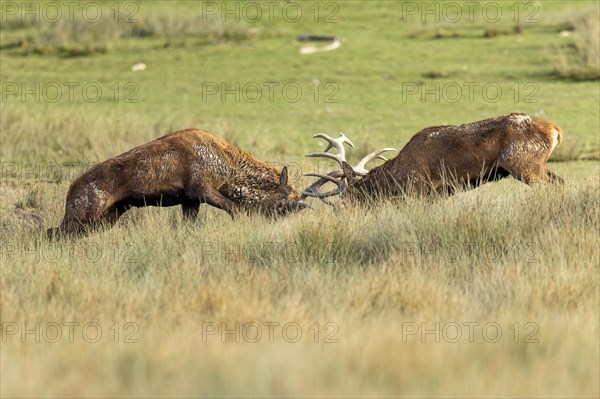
{"type": "Point", "coordinates": [283, 178]}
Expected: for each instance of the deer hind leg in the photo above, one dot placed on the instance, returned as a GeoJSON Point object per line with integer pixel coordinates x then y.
{"type": "Point", "coordinates": [72, 225]}
{"type": "Point", "coordinates": [75, 221]}
{"type": "Point", "coordinates": [114, 212]}
{"type": "Point", "coordinates": [190, 209]}
{"type": "Point", "coordinates": [86, 212]}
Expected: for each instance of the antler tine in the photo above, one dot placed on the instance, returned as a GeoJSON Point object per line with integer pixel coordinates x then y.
{"type": "Point", "coordinates": [338, 144]}
{"type": "Point", "coordinates": [312, 190]}
{"type": "Point", "coordinates": [336, 157]}
{"type": "Point", "coordinates": [335, 142]}
{"type": "Point", "coordinates": [360, 167]}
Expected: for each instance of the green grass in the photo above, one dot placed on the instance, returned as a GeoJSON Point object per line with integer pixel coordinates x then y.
{"type": "Point", "coordinates": [505, 253]}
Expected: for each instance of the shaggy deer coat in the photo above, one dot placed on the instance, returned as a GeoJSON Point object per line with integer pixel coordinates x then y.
{"type": "Point", "coordinates": [441, 159]}
{"type": "Point", "coordinates": [186, 168]}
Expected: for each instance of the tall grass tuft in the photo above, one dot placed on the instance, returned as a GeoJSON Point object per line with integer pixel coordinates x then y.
{"type": "Point", "coordinates": [580, 59]}
{"type": "Point", "coordinates": [85, 37]}
{"type": "Point", "coordinates": [73, 38]}
{"type": "Point", "coordinates": [195, 29]}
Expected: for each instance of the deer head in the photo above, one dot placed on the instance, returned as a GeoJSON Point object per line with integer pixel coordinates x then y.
{"type": "Point", "coordinates": [284, 200]}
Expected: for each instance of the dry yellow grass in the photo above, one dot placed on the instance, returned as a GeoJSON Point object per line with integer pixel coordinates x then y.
{"type": "Point", "coordinates": [507, 275]}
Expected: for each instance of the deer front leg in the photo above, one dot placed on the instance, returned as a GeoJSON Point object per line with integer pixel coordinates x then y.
{"type": "Point", "coordinates": [528, 164]}
{"type": "Point", "coordinates": [212, 196]}
{"type": "Point", "coordinates": [532, 174]}
{"type": "Point", "coordinates": [554, 178]}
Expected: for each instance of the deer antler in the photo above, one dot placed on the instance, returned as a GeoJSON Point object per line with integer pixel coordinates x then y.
{"type": "Point", "coordinates": [337, 177]}
{"type": "Point", "coordinates": [338, 144]}
{"type": "Point", "coordinates": [359, 168]}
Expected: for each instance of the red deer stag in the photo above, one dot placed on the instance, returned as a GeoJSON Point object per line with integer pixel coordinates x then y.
{"type": "Point", "coordinates": [441, 159]}
{"type": "Point", "coordinates": [186, 168]}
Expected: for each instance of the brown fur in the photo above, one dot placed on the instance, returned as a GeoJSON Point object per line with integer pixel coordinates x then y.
{"type": "Point", "coordinates": [441, 159]}
{"type": "Point", "coordinates": [186, 168]}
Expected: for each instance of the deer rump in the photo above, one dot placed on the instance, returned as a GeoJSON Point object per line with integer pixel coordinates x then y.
{"type": "Point", "coordinates": [443, 159]}
{"type": "Point", "coordinates": [186, 168]}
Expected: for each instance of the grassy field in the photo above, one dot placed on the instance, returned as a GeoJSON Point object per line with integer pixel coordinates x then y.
{"type": "Point", "coordinates": [492, 292]}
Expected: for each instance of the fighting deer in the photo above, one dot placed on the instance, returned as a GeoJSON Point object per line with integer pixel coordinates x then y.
{"type": "Point", "coordinates": [444, 159]}
{"type": "Point", "coordinates": [187, 168]}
